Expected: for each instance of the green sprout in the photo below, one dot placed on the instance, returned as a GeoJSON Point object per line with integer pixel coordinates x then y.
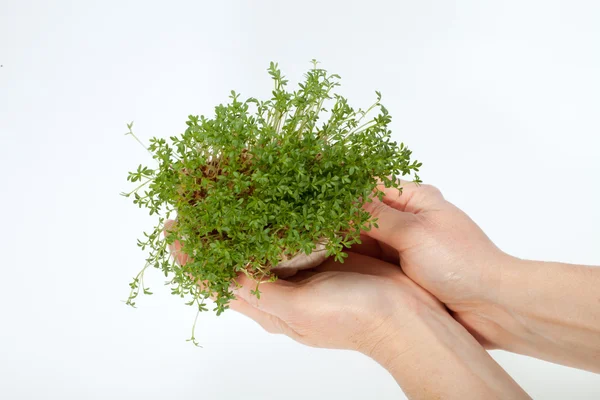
{"type": "Point", "coordinates": [262, 180]}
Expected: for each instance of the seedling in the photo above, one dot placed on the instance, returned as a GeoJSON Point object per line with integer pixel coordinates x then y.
{"type": "Point", "coordinates": [263, 181]}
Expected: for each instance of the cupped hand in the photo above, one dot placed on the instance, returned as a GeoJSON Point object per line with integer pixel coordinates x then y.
{"type": "Point", "coordinates": [371, 306]}
{"type": "Point", "coordinates": [440, 248]}
{"type": "Point", "coordinates": [356, 305]}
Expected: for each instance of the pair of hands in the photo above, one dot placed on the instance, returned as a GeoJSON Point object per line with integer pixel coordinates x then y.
{"type": "Point", "coordinates": [425, 293]}
{"type": "Point", "coordinates": [444, 258]}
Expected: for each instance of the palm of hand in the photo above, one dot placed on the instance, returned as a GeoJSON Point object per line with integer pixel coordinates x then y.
{"type": "Point", "coordinates": [336, 305]}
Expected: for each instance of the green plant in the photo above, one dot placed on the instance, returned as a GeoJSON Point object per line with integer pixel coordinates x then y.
{"type": "Point", "coordinates": [262, 180]}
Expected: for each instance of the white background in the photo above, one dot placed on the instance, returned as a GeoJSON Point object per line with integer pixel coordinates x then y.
{"type": "Point", "coordinates": [500, 101]}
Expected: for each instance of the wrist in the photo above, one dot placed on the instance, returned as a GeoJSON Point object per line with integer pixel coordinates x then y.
{"type": "Point", "coordinates": [490, 315]}
{"type": "Point", "coordinates": [395, 339]}
{"type": "Point", "coordinates": [429, 349]}
{"type": "Point", "coordinates": [511, 296]}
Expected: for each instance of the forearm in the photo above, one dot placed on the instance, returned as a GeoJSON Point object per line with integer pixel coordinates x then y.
{"type": "Point", "coordinates": [549, 311]}
{"type": "Point", "coordinates": [440, 359]}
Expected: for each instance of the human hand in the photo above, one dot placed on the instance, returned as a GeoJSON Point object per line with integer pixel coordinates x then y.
{"type": "Point", "coordinates": [437, 245]}
{"type": "Point", "coordinates": [357, 305]}
{"type": "Point", "coordinates": [369, 305]}
{"type": "Point", "coordinates": [440, 248]}
{"type": "Point", "coordinates": [503, 301]}
{"type": "Point", "coordinates": [345, 306]}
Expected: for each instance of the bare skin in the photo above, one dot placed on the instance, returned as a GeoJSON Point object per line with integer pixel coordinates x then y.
{"type": "Point", "coordinates": [545, 310]}
{"type": "Point", "coordinates": [425, 293]}
{"type": "Point", "coordinates": [370, 306]}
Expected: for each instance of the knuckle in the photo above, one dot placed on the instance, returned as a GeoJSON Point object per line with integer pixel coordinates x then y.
{"type": "Point", "coordinates": [415, 222]}
{"type": "Point", "coordinates": [279, 325]}
{"type": "Point", "coordinates": [272, 325]}
{"type": "Point", "coordinates": [377, 208]}
{"type": "Point", "coordinates": [430, 190]}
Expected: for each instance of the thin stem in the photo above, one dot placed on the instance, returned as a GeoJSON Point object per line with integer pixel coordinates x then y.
{"type": "Point", "coordinates": [133, 293]}
{"type": "Point", "coordinates": [365, 126]}
{"type": "Point", "coordinates": [136, 189]}
{"type": "Point", "coordinates": [364, 113]}
{"type": "Point", "coordinates": [193, 338]}
{"type": "Point", "coordinates": [136, 138]}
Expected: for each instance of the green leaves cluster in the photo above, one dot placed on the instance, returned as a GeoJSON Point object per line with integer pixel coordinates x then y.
{"type": "Point", "coordinates": [263, 179]}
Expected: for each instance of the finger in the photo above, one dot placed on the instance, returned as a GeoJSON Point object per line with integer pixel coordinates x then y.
{"type": "Point", "coordinates": [181, 258]}
{"type": "Point", "coordinates": [362, 264]}
{"type": "Point", "coordinates": [398, 229]}
{"type": "Point", "coordinates": [176, 247]}
{"type": "Point", "coordinates": [268, 322]}
{"type": "Point", "coordinates": [277, 298]}
{"type": "Point", "coordinates": [373, 248]}
{"type": "Point", "coordinates": [176, 251]}
{"type": "Point", "coordinates": [368, 246]}
{"type": "Point", "coordinates": [413, 197]}
{"type": "Point", "coordinates": [301, 276]}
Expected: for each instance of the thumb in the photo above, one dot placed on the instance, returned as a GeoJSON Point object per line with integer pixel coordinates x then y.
{"type": "Point", "coordinates": [398, 229]}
